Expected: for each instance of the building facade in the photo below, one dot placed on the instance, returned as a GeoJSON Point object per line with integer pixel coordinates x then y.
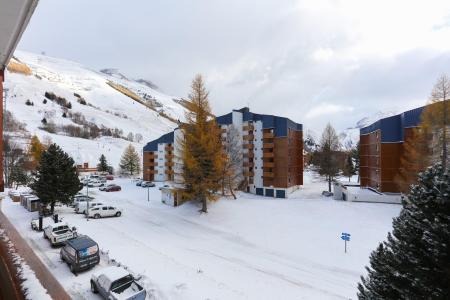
{"type": "Point", "coordinates": [272, 153]}
{"type": "Point", "coordinates": [382, 148]}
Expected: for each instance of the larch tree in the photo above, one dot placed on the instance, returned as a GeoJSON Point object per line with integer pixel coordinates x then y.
{"type": "Point", "coordinates": [435, 120]}
{"type": "Point", "coordinates": [328, 154]}
{"type": "Point", "coordinates": [233, 159]}
{"type": "Point", "coordinates": [56, 178]}
{"type": "Point", "coordinates": [202, 152]}
{"type": "Point", "coordinates": [130, 162]}
{"type": "Point", "coordinates": [35, 150]}
{"type": "Point", "coordinates": [414, 262]}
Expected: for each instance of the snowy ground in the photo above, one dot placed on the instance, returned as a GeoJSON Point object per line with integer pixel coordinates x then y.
{"type": "Point", "coordinates": [249, 248]}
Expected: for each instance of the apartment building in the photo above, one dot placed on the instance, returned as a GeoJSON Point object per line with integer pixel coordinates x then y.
{"type": "Point", "coordinates": [272, 153]}
{"type": "Point", "coordinates": [382, 147]}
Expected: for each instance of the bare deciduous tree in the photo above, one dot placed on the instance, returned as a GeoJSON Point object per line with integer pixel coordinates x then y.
{"type": "Point", "coordinates": [232, 167]}
{"type": "Point", "coordinates": [328, 158]}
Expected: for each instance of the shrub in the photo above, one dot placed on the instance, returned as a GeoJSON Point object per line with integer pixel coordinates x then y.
{"type": "Point", "coordinates": [50, 95]}
{"type": "Point", "coordinates": [68, 105]}
{"type": "Point", "coordinates": [12, 124]}
{"type": "Point", "coordinates": [77, 95]}
{"type": "Point", "coordinates": [49, 127]}
{"type": "Point", "coordinates": [81, 101]}
{"type": "Point", "coordinates": [64, 115]}
{"type": "Point", "coordinates": [45, 101]}
{"type": "Point", "coordinates": [28, 102]}
{"type": "Point", "coordinates": [44, 121]}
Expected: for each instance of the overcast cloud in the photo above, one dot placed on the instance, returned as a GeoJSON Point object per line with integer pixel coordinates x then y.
{"type": "Point", "coordinates": [315, 61]}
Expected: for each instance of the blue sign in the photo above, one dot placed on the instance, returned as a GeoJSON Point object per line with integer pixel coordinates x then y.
{"type": "Point", "coordinates": [345, 236]}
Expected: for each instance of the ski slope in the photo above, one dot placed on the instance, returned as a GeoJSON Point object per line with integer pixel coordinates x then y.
{"type": "Point", "coordinates": [107, 106]}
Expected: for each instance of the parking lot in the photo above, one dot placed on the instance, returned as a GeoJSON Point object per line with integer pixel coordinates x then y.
{"type": "Point", "coordinates": [248, 248]}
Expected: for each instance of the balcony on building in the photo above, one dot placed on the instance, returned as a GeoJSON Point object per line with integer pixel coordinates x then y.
{"type": "Point", "coordinates": [268, 145]}
{"type": "Point", "coordinates": [249, 154]}
{"type": "Point", "coordinates": [268, 135]}
{"type": "Point", "coordinates": [248, 146]}
{"type": "Point", "coordinates": [248, 137]}
{"type": "Point", "coordinates": [249, 174]}
{"type": "Point", "coordinates": [150, 164]}
{"type": "Point", "coordinates": [248, 127]}
{"type": "Point", "coordinates": [268, 164]}
{"type": "Point", "coordinates": [267, 154]}
{"type": "Point", "coordinates": [169, 156]}
{"type": "Point", "coordinates": [169, 164]}
{"type": "Point", "coordinates": [168, 148]}
{"type": "Point", "coordinates": [248, 164]}
{"type": "Point", "coordinates": [268, 174]}
{"type": "Point", "coordinates": [169, 172]}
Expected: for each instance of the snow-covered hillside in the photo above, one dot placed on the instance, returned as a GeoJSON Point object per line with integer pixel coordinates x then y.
{"type": "Point", "coordinates": [350, 136]}
{"type": "Point", "coordinates": [101, 98]}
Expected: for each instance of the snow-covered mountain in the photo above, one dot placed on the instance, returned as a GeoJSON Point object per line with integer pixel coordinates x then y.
{"type": "Point", "coordinates": [350, 136]}
{"type": "Point", "coordinates": [102, 105]}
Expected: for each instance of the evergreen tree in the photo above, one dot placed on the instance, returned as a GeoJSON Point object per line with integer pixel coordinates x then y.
{"type": "Point", "coordinates": [130, 162]}
{"type": "Point", "coordinates": [202, 151]}
{"type": "Point", "coordinates": [328, 154]}
{"type": "Point", "coordinates": [56, 179]}
{"type": "Point", "coordinates": [414, 262]}
{"type": "Point", "coordinates": [349, 168]}
{"type": "Point", "coordinates": [103, 164]}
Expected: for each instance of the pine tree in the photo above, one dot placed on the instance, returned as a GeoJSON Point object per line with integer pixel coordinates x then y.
{"type": "Point", "coordinates": [103, 164]}
{"type": "Point", "coordinates": [130, 161]}
{"type": "Point", "coordinates": [414, 262]}
{"type": "Point", "coordinates": [328, 159]}
{"type": "Point", "coordinates": [202, 151]}
{"type": "Point", "coordinates": [56, 179]}
{"type": "Point", "coordinates": [349, 168]}
{"type": "Point", "coordinates": [35, 150]}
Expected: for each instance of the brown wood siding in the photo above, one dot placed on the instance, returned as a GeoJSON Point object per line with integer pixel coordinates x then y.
{"type": "Point", "coordinates": [370, 149]}
{"type": "Point", "coordinates": [149, 163]}
{"type": "Point", "coordinates": [2, 183]}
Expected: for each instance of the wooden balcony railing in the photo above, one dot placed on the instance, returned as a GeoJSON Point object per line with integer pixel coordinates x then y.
{"type": "Point", "coordinates": [168, 156]}
{"type": "Point", "coordinates": [268, 154]}
{"type": "Point", "coordinates": [150, 155]}
{"type": "Point", "coordinates": [249, 174]}
{"type": "Point", "coordinates": [267, 135]}
{"type": "Point", "coordinates": [268, 174]}
{"type": "Point", "coordinates": [150, 163]}
{"type": "Point", "coordinates": [268, 164]}
{"type": "Point", "coordinates": [169, 164]}
{"type": "Point", "coordinates": [249, 154]}
{"type": "Point", "coordinates": [168, 148]}
{"type": "Point", "coordinates": [248, 146]}
{"type": "Point", "coordinates": [248, 164]}
{"type": "Point", "coordinates": [248, 137]}
{"type": "Point", "coordinates": [248, 127]}
{"type": "Point", "coordinates": [268, 145]}
{"type": "Point", "coordinates": [169, 172]}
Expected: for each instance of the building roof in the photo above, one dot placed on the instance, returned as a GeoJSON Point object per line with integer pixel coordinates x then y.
{"type": "Point", "coordinates": [14, 18]}
{"type": "Point", "coordinates": [391, 128]}
{"type": "Point", "coordinates": [81, 242]}
{"type": "Point", "coordinates": [279, 124]}
{"type": "Point", "coordinates": [167, 138]}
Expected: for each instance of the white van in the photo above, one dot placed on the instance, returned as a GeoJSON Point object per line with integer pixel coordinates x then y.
{"type": "Point", "coordinates": [80, 207]}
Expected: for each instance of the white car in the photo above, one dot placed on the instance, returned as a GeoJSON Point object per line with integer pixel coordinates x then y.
{"type": "Point", "coordinates": [95, 183]}
{"type": "Point", "coordinates": [103, 211]}
{"type": "Point", "coordinates": [80, 207]}
{"type": "Point", "coordinates": [58, 233]}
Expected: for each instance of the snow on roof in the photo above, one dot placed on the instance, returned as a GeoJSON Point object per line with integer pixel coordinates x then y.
{"type": "Point", "coordinates": [113, 273]}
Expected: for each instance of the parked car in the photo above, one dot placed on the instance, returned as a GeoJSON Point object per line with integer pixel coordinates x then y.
{"type": "Point", "coordinates": [114, 188]}
{"type": "Point", "coordinates": [80, 253]}
{"type": "Point", "coordinates": [116, 283]}
{"type": "Point", "coordinates": [103, 188]}
{"type": "Point", "coordinates": [95, 183]}
{"type": "Point", "coordinates": [147, 184]}
{"type": "Point", "coordinates": [45, 222]}
{"type": "Point", "coordinates": [103, 211]}
{"type": "Point", "coordinates": [139, 182]}
{"type": "Point", "coordinates": [109, 177]}
{"type": "Point", "coordinates": [58, 233]}
{"type": "Point", "coordinates": [164, 186]}
{"type": "Point", "coordinates": [81, 207]}
{"type": "Point", "coordinates": [81, 198]}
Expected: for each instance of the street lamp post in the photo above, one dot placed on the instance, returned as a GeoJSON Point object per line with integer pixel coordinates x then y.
{"type": "Point", "coordinates": [148, 193]}
{"type": "Point", "coordinates": [87, 201]}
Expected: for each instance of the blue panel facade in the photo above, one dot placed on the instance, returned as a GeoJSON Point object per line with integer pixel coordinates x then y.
{"type": "Point", "coordinates": [281, 194]}
{"type": "Point", "coordinates": [269, 192]}
{"type": "Point", "coordinates": [392, 128]}
{"type": "Point", "coordinates": [225, 119]}
{"type": "Point", "coordinates": [168, 138]}
{"type": "Point", "coordinates": [260, 191]}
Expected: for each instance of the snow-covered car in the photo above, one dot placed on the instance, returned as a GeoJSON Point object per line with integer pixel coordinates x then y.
{"type": "Point", "coordinates": [139, 182]}
{"type": "Point", "coordinates": [116, 283]}
{"type": "Point", "coordinates": [103, 188]}
{"type": "Point", "coordinates": [81, 207]}
{"type": "Point", "coordinates": [103, 211]}
{"type": "Point", "coordinates": [114, 188]}
{"type": "Point", "coordinates": [81, 198]}
{"type": "Point", "coordinates": [58, 233]}
{"type": "Point", "coordinates": [164, 186]}
{"type": "Point", "coordinates": [95, 183]}
{"type": "Point", "coordinates": [147, 184]}
{"type": "Point", "coordinates": [45, 222]}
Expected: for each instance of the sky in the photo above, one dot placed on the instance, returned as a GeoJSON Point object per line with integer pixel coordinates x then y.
{"type": "Point", "coordinates": [314, 61]}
